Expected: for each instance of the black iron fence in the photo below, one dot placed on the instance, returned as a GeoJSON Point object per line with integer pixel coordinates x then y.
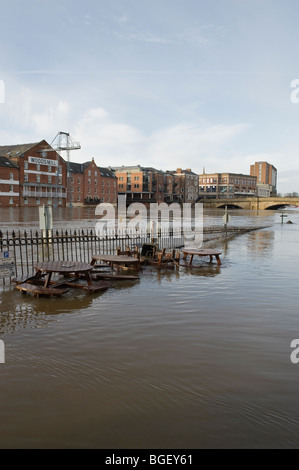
{"type": "Point", "coordinates": [26, 248]}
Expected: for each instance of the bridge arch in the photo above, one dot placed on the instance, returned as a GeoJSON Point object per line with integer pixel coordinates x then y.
{"type": "Point", "coordinates": [275, 207]}
{"type": "Point", "coordinates": [280, 204]}
{"type": "Point", "coordinates": [229, 206]}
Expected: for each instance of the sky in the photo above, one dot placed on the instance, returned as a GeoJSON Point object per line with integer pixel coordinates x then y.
{"type": "Point", "coordinates": [163, 83]}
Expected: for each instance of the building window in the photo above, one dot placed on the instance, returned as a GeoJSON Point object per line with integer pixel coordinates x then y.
{"type": "Point", "coordinates": [78, 198]}
{"type": "Point", "coordinates": [25, 178]}
{"type": "Point", "coordinates": [11, 200]}
{"type": "Point", "coordinates": [26, 165]}
{"type": "Point", "coordinates": [38, 178]}
{"type": "Point", "coordinates": [89, 173]}
{"type": "Point", "coordinates": [11, 176]}
{"type": "Point", "coordinates": [50, 179]}
{"type": "Point", "coordinates": [37, 201]}
{"type": "Point", "coordinates": [25, 200]}
{"type": "Point", "coordinates": [49, 168]}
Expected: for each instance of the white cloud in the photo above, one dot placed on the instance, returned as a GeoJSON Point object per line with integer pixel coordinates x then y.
{"type": "Point", "coordinates": [190, 145]}
{"type": "Point", "coordinates": [115, 143]}
{"type": "Point", "coordinates": [108, 141]}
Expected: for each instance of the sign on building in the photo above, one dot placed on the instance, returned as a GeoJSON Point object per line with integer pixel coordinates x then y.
{"type": "Point", "coordinates": [42, 161]}
{"type": "Point", "coordinates": [7, 265]}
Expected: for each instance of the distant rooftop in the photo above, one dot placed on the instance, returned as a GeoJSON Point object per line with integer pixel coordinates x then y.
{"type": "Point", "coordinates": [6, 163]}
{"type": "Point", "coordinates": [80, 167]}
{"type": "Point", "coordinates": [15, 150]}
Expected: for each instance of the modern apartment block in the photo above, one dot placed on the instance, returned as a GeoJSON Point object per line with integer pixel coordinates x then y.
{"type": "Point", "coordinates": [186, 185]}
{"type": "Point", "coordinates": [147, 184]}
{"type": "Point", "coordinates": [140, 184]}
{"type": "Point", "coordinates": [266, 175]}
{"type": "Point", "coordinates": [226, 185]}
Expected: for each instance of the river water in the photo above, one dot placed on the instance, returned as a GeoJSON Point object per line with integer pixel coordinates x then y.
{"type": "Point", "coordinates": [185, 359]}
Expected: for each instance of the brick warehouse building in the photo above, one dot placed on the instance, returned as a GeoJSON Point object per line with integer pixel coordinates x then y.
{"type": "Point", "coordinates": [9, 182]}
{"type": "Point", "coordinates": [91, 184]}
{"type": "Point", "coordinates": [35, 174]}
{"type": "Point", "coordinates": [42, 175]}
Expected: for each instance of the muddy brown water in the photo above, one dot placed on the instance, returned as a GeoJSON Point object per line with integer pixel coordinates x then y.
{"type": "Point", "coordinates": [179, 359]}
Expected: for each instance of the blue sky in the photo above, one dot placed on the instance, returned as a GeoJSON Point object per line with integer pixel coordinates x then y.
{"type": "Point", "coordinates": [166, 83]}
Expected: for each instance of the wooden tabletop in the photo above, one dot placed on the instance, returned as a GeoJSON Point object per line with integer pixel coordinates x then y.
{"type": "Point", "coordinates": [118, 259]}
{"type": "Point", "coordinates": [63, 267]}
{"type": "Point", "coordinates": [202, 252]}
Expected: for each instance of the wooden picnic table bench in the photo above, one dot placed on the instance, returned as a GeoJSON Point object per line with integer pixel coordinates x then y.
{"type": "Point", "coordinates": [76, 271]}
{"type": "Point", "coordinates": [116, 261]}
{"type": "Point", "coordinates": [207, 252]}
{"type": "Point", "coordinates": [40, 290]}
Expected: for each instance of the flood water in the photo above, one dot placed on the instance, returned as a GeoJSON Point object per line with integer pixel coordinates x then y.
{"type": "Point", "coordinates": [185, 359]}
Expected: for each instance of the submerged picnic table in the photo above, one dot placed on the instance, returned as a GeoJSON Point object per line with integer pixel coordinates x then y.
{"type": "Point", "coordinates": [191, 253]}
{"type": "Point", "coordinates": [116, 261]}
{"type": "Point", "coordinates": [76, 269]}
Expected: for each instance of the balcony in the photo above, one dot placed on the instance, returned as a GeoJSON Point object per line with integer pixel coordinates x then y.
{"type": "Point", "coordinates": [48, 195]}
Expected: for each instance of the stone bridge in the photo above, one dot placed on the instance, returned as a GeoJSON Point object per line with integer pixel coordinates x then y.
{"type": "Point", "coordinates": [252, 203]}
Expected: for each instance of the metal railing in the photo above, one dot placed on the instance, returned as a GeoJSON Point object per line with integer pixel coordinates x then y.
{"type": "Point", "coordinates": [26, 248]}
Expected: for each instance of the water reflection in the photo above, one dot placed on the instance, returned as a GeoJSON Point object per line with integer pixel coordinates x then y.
{"type": "Point", "coordinates": [259, 241]}
{"type": "Point", "coordinates": [21, 311]}
{"type": "Point", "coordinates": [188, 358]}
